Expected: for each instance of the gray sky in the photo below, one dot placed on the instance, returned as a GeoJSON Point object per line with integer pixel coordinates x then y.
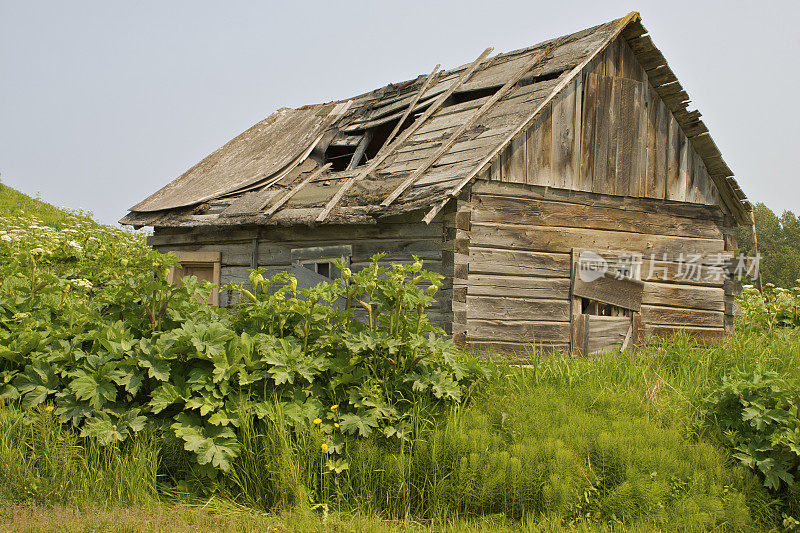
{"type": "Point", "coordinates": [103, 102]}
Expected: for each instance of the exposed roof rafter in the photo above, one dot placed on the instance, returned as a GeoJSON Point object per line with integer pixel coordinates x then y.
{"type": "Point", "coordinates": [402, 137]}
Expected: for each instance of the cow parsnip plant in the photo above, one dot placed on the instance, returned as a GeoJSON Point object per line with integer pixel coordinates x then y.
{"type": "Point", "coordinates": [91, 330]}
{"type": "Point", "coordinates": [776, 309]}
{"type": "Point", "coordinates": [756, 414]}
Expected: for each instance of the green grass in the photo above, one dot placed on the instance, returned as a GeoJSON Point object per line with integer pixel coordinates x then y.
{"type": "Point", "coordinates": [618, 443]}
{"type": "Point", "coordinates": [13, 202]}
{"type": "Point", "coordinates": [606, 443]}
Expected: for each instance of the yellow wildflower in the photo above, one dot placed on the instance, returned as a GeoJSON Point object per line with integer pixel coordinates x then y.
{"type": "Point", "coordinates": [324, 447]}
{"type": "Point", "coordinates": [48, 408]}
{"type": "Point", "coordinates": [336, 424]}
{"type": "Point", "coordinates": [335, 407]}
{"type": "Point", "coordinates": [318, 421]}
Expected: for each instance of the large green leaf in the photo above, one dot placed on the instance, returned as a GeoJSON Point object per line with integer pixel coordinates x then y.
{"type": "Point", "coordinates": [215, 445]}
{"type": "Point", "coordinates": [363, 425]}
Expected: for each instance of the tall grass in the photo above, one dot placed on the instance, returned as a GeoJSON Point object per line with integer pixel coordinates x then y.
{"type": "Point", "coordinates": [560, 443]}
{"type": "Point", "coordinates": [43, 462]}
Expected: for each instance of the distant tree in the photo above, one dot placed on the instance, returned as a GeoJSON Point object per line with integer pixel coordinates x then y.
{"type": "Point", "coordinates": [778, 244]}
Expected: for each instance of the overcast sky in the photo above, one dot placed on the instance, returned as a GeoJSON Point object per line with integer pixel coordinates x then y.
{"type": "Point", "coordinates": [103, 102]}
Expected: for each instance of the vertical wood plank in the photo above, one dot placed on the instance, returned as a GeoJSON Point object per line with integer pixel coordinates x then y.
{"type": "Point", "coordinates": [640, 161]}
{"type": "Point", "coordinates": [652, 128]}
{"type": "Point", "coordinates": [602, 183]}
{"type": "Point", "coordinates": [576, 134]}
{"type": "Point", "coordinates": [690, 182]}
{"type": "Point", "coordinates": [563, 138]}
{"type": "Point", "coordinates": [628, 62]}
{"type": "Point", "coordinates": [674, 184]}
{"type": "Point", "coordinates": [505, 164]}
{"type": "Point", "coordinates": [713, 193]}
{"type": "Point", "coordinates": [625, 138]}
{"type": "Point", "coordinates": [612, 59]}
{"type": "Point", "coordinates": [679, 192]}
{"type": "Point", "coordinates": [698, 192]}
{"type": "Point", "coordinates": [588, 119]}
{"type": "Point", "coordinates": [494, 170]}
{"type": "Point", "coordinates": [539, 141]}
{"type": "Point", "coordinates": [660, 152]}
{"type": "Point", "coordinates": [614, 128]}
{"type": "Point", "coordinates": [519, 159]}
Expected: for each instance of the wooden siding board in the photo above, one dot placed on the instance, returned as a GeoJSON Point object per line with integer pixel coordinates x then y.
{"type": "Point", "coordinates": [501, 209]}
{"type": "Point", "coordinates": [588, 132]}
{"type": "Point", "coordinates": [559, 239]}
{"type": "Point", "coordinates": [563, 138]}
{"type": "Point", "coordinates": [603, 182]}
{"type": "Point", "coordinates": [507, 308]}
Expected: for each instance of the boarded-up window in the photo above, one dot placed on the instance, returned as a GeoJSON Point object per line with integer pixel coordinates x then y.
{"type": "Point", "coordinates": [205, 266]}
{"type": "Point", "coordinates": [606, 297]}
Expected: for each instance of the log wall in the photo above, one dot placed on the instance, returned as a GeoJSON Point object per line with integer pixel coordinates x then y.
{"type": "Point", "coordinates": [520, 240]}
{"type": "Point", "coordinates": [245, 248]}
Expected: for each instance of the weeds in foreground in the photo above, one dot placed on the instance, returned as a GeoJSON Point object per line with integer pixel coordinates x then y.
{"type": "Point", "coordinates": [620, 440]}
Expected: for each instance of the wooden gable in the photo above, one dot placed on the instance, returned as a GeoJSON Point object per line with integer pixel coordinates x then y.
{"type": "Point", "coordinates": [609, 132]}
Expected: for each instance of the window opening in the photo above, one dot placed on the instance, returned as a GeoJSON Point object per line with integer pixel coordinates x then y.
{"type": "Point", "coordinates": [593, 307]}
{"type": "Point", "coordinates": [323, 268]}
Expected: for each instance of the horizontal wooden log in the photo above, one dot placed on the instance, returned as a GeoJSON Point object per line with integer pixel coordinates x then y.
{"type": "Point", "coordinates": [551, 239]}
{"type": "Point", "coordinates": [496, 209]}
{"type": "Point", "coordinates": [271, 253]}
{"type": "Point", "coordinates": [707, 271]}
{"type": "Point", "coordinates": [701, 335]}
{"type": "Point", "coordinates": [518, 331]}
{"type": "Point", "coordinates": [297, 233]}
{"type": "Point", "coordinates": [518, 352]}
{"type": "Point", "coordinates": [645, 205]}
{"type": "Point", "coordinates": [673, 295]}
{"type": "Point", "coordinates": [518, 286]}
{"type": "Point", "coordinates": [487, 260]}
{"type": "Point", "coordinates": [505, 308]}
{"type": "Point", "coordinates": [673, 316]}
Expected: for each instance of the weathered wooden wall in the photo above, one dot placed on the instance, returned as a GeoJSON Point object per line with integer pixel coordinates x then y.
{"type": "Point", "coordinates": [610, 133]}
{"type": "Point", "coordinates": [519, 241]}
{"type": "Point", "coordinates": [243, 248]}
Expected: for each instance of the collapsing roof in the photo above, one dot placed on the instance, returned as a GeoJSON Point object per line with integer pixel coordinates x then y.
{"type": "Point", "coordinates": [409, 146]}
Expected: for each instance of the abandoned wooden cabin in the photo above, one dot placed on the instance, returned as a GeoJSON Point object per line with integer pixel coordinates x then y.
{"type": "Point", "coordinates": [503, 175]}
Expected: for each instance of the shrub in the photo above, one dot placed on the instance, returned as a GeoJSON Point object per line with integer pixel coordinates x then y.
{"type": "Point", "coordinates": [771, 310]}
{"type": "Point", "coordinates": [119, 350]}
{"type": "Point", "coordinates": [757, 415]}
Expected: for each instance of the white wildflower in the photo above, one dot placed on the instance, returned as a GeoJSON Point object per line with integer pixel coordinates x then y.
{"type": "Point", "coordinates": [6, 238]}
{"type": "Point", "coordinates": [82, 284]}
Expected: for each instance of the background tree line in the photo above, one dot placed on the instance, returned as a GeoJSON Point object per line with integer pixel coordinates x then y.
{"type": "Point", "coordinates": [778, 244]}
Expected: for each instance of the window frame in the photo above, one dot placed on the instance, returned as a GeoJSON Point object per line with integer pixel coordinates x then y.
{"type": "Point", "coordinates": [199, 259]}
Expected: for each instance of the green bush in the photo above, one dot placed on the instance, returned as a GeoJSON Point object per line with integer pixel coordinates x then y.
{"type": "Point", "coordinates": [757, 415]}
{"type": "Point", "coordinates": [774, 309]}
{"type": "Point", "coordinates": [119, 350]}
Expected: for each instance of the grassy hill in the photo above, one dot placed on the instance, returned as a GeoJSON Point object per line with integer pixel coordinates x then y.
{"type": "Point", "coordinates": [15, 203]}
{"type": "Point", "coordinates": [126, 404]}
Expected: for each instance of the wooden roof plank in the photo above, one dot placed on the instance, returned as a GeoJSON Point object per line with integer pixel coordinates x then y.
{"type": "Point", "coordinates": [294, 190]}
{"type": "Point", "coordinates": [524, 125]}
{"type": "Point", "coordinates": [403, 136]}
{"type": "Point", "coordinates": [537, 57]}
{"type": "Point", "coordinates": [425, 85]}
